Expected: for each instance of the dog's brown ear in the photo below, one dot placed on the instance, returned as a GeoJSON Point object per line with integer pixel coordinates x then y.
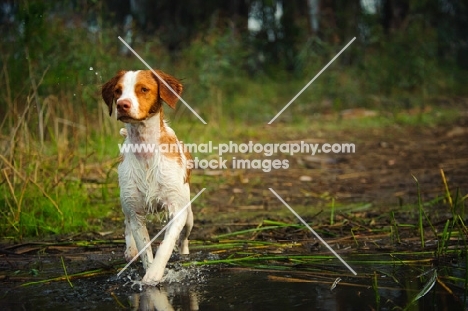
{"type": "Point", "coordinates": [107, 90]}
{"type": "Point", "coordinates": [165, 93]}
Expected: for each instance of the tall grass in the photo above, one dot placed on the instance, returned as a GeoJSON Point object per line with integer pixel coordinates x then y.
{"type": "Point", "coordinates": [46, 155]}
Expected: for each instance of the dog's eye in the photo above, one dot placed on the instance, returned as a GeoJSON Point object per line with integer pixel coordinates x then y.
{"type": "Point", "coordinates": [144, 90]}
{"type": "Point", "coordinates": [117, 92]}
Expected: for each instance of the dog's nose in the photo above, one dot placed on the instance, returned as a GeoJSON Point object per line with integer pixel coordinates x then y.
{"type": "Point", "coordinates": [123, 105]}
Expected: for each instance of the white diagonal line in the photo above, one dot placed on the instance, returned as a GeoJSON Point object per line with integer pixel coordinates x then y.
{"type": "Point", "coordinates": [313, 231]}
{"type": "Point", "coordinates": [310, 82]}
{"type": "Point", "coordinates": [160, 232]}
{"type": "Point", "coordinates": [165, 83]}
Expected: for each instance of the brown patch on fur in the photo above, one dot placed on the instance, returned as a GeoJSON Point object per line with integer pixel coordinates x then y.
{"type": "Point", "coordinates": [189, 158]}
{"type": "Point", "coordinates": [108, 90]}
{"type": "Point", "coordinates": [172, 147]}
{"type": "Point", "coordinates": [146, 91]}
{"type": "Point", "coordinates": [165, 93]}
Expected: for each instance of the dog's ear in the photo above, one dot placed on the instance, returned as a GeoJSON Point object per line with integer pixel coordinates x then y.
{"type": "Point", "coordinates": [165, 93]}
{"type": "Point", "coordinates": [107, 90]}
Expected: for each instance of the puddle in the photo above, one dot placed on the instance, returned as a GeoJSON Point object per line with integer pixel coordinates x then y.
{"type": "Point", "coordinates": [257, 291]}
{"type": "Point", "coordinates": [240, 288]}
{"type": "Point", "coordinates": [231, 275]}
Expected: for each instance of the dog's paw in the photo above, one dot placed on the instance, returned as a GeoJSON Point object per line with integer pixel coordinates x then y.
{"type": "Point", "coordinates": [184, 247]}
{"type": "Point", "coordinates": [151, 283]}
{"type": "Point", "coordinates": [152, 279]}
{"type": "Point", "coordinates": [130, 253]}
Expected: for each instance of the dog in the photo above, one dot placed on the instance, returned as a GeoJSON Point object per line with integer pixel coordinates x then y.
{"type": "Point", "coordinates": [154, 178]}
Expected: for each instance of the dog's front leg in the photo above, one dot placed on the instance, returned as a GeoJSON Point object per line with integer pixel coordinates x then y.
{"type": "Point", "coordinates": [156, 271]}
{"type": "Point", "coordinates": [139, 234]}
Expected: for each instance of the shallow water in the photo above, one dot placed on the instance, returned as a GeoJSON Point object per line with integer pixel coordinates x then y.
{"type": "Point", "coordinates": [226, 288]}
{"type": "Point", "coordinates": [280, 278]}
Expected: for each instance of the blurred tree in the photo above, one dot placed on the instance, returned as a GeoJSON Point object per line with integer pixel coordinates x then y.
{"type": "Point", "coordinates": [274, 34]}
{"type": "Point", "coordinates": [178, 22]}
{"type": "Point", "coordinates": [294, 26]}
{"type": "Point", "coordinates": [451, 19]}
{"type": "Point", "coordinates": [347, 14]}
{"type": "Point", "coordinates": [394, 14]}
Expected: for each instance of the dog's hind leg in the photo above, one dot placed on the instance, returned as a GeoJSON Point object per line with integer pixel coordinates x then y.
{"type": "Point", "coordinates": [131, 249]}
{"type": "Point", "coordinates": [183, 243]}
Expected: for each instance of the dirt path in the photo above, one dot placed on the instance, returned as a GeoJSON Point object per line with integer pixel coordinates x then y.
{"type": "Point", "coordinates": [379, 173]}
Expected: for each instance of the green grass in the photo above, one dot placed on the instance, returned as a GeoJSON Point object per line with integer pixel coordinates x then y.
{"type": "Point", "coordinates": [52, 169]}
{"type": "Point", "coordinates": [37, 208]}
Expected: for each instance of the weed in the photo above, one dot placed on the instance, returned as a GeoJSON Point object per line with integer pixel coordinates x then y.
{"type": "Point", "coordinates": [420, 214]}
{"type": "Point", "coordinates": [375, 287]}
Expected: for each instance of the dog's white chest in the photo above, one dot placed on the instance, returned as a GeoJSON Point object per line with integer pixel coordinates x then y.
{"type": "Point", "coordinates": [141, 179]}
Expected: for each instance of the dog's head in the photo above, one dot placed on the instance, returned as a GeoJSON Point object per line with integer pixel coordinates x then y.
{"type": "Point", "coordinates": [139, 94]}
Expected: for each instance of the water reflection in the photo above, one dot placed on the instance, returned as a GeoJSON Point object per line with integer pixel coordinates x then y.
{"type": "Point", "coordinates": [239, 289]}
{"type": "Point", "coordinates": [167, 298]}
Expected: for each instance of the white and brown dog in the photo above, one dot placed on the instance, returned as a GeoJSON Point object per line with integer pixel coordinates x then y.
{"type": "Point", "coordinates": [152, 177]}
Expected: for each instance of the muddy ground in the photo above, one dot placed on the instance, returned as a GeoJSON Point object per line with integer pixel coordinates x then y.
{"type": "Point", "coordinates": [379, 175]}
